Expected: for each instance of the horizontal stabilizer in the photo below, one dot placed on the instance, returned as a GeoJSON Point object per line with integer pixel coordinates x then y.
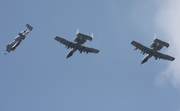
{"type": "Point", "coordinates": [84, 36]}
{"type": "Point", "coordinates": [161, 42]}
{"type": "Point", "coordinates": [29, 27]}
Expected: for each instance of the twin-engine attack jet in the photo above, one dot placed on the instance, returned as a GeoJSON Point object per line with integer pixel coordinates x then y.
{"type": "Point", "coordinates": [155, 47]}
{"type": "Point", "coordinates": [79, 40]}
{"type": "Point", "coordinates": [21, 36]}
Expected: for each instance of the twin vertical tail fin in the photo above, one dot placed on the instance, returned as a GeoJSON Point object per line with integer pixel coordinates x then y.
{"type": "Point", "coordinates": [155, 37]}
{"type": "Point", "coordinates": [92, 35]}
{"type": "Point", "coordinates": [29, 27]}
{"type": "Point", "coordinates": [156, 40]}
{"type": "Point", "coordinates": [77, 31]}
{"type": "Point", "coordinates": [78, 34]}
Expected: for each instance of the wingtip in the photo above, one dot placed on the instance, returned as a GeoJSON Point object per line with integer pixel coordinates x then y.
{"type": "Point", "coordinates": [98, 51]}
{"type": "Point", "coordinates": [173, 59]}
{"type": "Point", "coordinates": [132, 42]}
{"type": "Point", "coordinates": [56, 37]}
{"type": "Point", "coordinates": [67, 57]}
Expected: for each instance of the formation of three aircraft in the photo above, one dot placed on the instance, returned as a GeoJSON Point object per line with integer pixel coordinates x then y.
{"type": "Point", "coordinates": [82, 38]}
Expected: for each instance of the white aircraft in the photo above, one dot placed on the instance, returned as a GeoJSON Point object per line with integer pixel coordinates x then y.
{"type": "Point", "coordinates": [79, 39]}
{"type": "Point", "coordinates": [155, 47]}
{"type": "Point", "coordinates": [21, 36]}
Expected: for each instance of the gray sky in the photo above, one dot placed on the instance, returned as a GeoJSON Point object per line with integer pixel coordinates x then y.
{"type": "Point", "coordinates": [168, 22]}
{"type": "Point", "coordinates": [37, 75]}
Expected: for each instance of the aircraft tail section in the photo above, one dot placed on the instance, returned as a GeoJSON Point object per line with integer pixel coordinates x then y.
{"type": "Point", "coordinates": [77, 31]}
{"type": "Point", "coordinates": [88, 37]}
{"type": "Point", "coordinates": [81, 35]}
{"type": "Point", "coordinates": [92, 35]}
{"type": "Point", "coordinates": [29, 27]}
{"type": "Point", "coordinates": [161, 42]}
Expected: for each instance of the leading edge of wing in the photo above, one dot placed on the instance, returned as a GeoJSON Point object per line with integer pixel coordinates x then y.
{"type": "Point", "coordinates": [136, 44]}
{"type": "Point", "coordinates": [60, 39]}
{"type": "Point", "coordinates": [88, 49]}
{"type": "Point", "coordinates": [141, 47]}
{"type": "Point", "coordinates": [65, 42]}
{"type": "Point", "coordinates": [164, 56]}
{"type": "Point", "coordinates": [94, 50]}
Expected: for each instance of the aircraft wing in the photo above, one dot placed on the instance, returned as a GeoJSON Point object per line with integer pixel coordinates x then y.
{"type": "Point", "coordinates": [65, 42]}
{"type": "Point", "coordinates": [163, 56]}
{"type": "Point", "coordinates": [147, 50]}
{"type": "Point", "coordinates": [141, 47]}
{"type": "Point", "coordinates": [87, 49]}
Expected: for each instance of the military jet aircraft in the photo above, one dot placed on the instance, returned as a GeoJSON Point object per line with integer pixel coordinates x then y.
{"type": "Point", "coordinates": [21, 36]}
{"type": "Point", "coordinates": [79, 40]}
{"type": "Point", "coordinates": [153, 51]}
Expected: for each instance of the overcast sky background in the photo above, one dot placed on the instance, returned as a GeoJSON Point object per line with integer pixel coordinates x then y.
{"type": "Point", "coordinates": [37, 76]}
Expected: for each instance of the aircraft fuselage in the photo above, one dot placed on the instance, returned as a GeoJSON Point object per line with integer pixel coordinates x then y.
{"type": "Point", "coordinates": [79, 41]}
{"type": "Point", "coordinates": [155, 47]}
{"type": "Point", "coordinates": [21, 36]}
{"type": "Point", "coordinates": [12, 46]}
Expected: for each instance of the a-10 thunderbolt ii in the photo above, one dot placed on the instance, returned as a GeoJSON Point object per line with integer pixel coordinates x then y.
{"type": "Point", "coordinates": [21, 36]}
{"type": "Point", "coordinates": [153, 51]}
{"type": "Point", "coordinates": [79, 40]}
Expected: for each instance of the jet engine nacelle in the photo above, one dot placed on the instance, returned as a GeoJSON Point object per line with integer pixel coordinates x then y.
{"type": "Point", "coordinates": [161, 42]}
{"type": "Point", "coordinates": [76, 39]}
{"type": "Point", "coordinates": [82, 36]}
{"type": "Point", "coordinates": [153, 45]}
{"type": "Point", "coordinates": [156, 46]}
